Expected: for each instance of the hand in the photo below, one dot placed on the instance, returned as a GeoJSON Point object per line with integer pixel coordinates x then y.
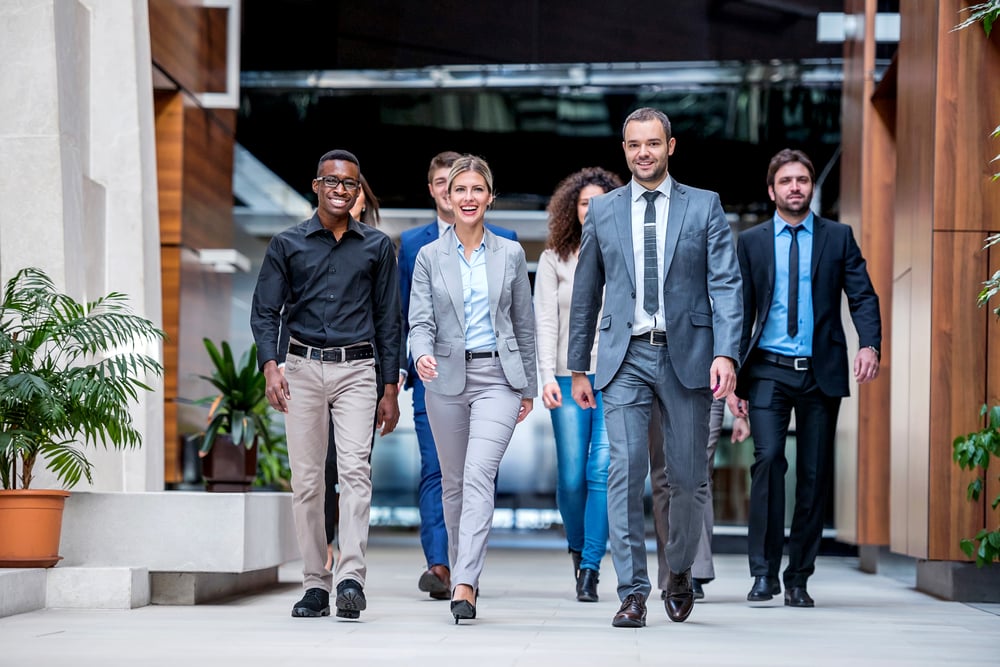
{"type": "Point", "coordinates": [551, 396]}
{"type": "Point", "coordinates": [427, 368]}
{"type": "Point", "coordinates": [388, 410]}
{"type": "Point", "coordinates": [276, 386]}
{"type": "Point", "coordinates": [741, 429]}
{"type": "Point", "coordinates": [738, 406]}
{"type": "Point", "coordinates": [402, 380]}
{"type": "Point", "coordinates": [525, 409]}
{"type": "Point", "coordinates": [722, 377]}
{"type": "Point", "coordinates": [865, 365]}
{"type": "Point", "coordinates": [583, 393]}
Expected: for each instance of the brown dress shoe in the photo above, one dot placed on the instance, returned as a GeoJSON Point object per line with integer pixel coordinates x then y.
{"type": "Point", "coordinates": [680, 597]}
{"type": "Point", "coordinates": [632, 613]}
{"type": "Point", "coordinates": [436, 582]}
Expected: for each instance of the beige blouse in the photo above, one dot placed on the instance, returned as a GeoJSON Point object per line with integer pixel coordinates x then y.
{"type": "Point", "coordinates": [553, 295]}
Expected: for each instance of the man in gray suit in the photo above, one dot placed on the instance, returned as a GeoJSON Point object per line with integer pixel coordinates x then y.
{"type": "Point", "coordinates": [659, 257]}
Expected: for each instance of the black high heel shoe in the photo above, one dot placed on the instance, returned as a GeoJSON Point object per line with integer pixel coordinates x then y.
{"type": "Point", "coordinates": [462, 609]}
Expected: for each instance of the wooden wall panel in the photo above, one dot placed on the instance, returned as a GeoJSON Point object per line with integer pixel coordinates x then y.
{"type": "Point", "coordinates": [168, 108]}
{"type": "Point", "coordinates": [912, 270]}
{"type": "Point", "coordinates": [958, 362]}
{"type": "Point", "coordinates": [207, 208]}
{"type": "Point", "coordinates": [170, 271]}
{"type": "Point", "coordinates": [188, 42]}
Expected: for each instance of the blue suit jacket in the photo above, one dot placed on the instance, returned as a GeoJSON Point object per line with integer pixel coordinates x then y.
{"type": "Point", "coordinates": [410, 243]}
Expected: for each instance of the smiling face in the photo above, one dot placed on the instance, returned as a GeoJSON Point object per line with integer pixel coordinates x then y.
{"type": "Point", "coordinates": [438, 187]}
{"type": "Point", "coordinates": [646, 151]}
{"type": "Point", "coordinates": [587, 193]}
{"type": "Point", "coordinates": [336, 202]}
{"type": "Point", "coordinates": [792, 191]}
{"type": "Point", "coordinates": [470, 196]}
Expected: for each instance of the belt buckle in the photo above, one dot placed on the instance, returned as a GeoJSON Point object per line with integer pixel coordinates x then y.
{"type": "Point", "coordinates": [805, 363]}
{"type": "Point", "coordinates": [652, 338]}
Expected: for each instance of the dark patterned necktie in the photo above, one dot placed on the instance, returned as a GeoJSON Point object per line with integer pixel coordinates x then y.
{"type": "Point", "coordinates": [651, 282]}
{"type": "Point", "coordinates": [793, 283]}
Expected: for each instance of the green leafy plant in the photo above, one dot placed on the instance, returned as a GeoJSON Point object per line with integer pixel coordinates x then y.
{"type": "Point", "coordinates": [67, 377]}
{"type": "Point", "coordinates": [973, 451]}
{"type": "Point", "coordinates": [985, 13]}
{"type": "Point", "coordinates": [241, 408]}
{"type": "Point", "coordinates": [273, 470]}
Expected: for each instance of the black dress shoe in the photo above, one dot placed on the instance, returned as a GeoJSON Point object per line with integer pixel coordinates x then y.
{"type": "Point", "coordinates": [680, 596]}
{"type": "Point", "coordinates": [462, 609]}
{"type": "Point", "coordinates": [763, 589]}
{"type": "Point", "coordinates": [316, 602]}
{"type": "Point", "coordinates": [632, 613]}
{"type": "Point", "coordinates": [699, 592]}
{"type": "Point", "coordinates": [350, 599]}
{"type": "Point", "coordinates": [796, 596]}
{"type": "Point", "coordinates": [586, 585]}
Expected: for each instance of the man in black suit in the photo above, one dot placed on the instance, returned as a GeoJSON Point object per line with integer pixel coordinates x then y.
{"type": "Point", "coordinates": [794, 353]}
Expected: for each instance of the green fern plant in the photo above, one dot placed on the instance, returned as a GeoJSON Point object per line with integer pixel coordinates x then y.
{"type": "Point", "coordinates": [973, 451]}
{"type": "Point", "coordinates": [68, 377]}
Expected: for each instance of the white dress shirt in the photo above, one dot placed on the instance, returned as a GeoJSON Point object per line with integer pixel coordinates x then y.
{"type": "Point", "coordinates": [643, 322]}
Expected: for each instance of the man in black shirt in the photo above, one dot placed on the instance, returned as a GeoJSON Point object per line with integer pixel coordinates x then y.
{"type": "Point", "coordinates": [337, 281]}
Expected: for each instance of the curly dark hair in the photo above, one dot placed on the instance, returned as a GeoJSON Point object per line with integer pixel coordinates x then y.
{"type": "Point", "coordinates": [564, 226]}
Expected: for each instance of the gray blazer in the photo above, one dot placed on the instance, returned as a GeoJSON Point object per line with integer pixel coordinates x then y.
{"type": "Point", "coordinates": [437, 313]}
{"type": "Point", "coordinates": [702, 298]}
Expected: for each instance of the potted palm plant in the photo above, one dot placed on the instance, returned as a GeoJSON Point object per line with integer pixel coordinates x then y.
{"type": "Point", "coordinates": [68, 376]}
{"type": "Point", "coordinates": [239, 420]}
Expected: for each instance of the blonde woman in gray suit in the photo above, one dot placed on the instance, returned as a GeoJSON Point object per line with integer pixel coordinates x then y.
{"type": "Point", "coordinates": [472, 336]}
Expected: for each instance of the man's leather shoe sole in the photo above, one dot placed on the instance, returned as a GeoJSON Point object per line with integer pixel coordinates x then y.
{"type": "Point", "coordinates": [796, 596]}
{"type": "Point", "coordinates": [764, 589]}
{"type": "Point", "coordinates": [433, 585]}
{"type": "Point", "coordinates": [306, 612]}
{"type": "Point", "coordinates": [350, 600]}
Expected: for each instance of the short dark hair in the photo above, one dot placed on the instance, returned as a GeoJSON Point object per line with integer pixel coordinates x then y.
{"type": "Point", "coordinates": [785, 156]}
{"type": "Point", "coordinates": [443, 160]}
{"type": "Point", "coordinates": [338, 154]}
{"type": "Point", "coordinates": [648, 113]}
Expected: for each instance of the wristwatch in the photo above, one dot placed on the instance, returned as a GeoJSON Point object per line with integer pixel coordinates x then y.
{"type": "Point", "coordinates": [878, 355]}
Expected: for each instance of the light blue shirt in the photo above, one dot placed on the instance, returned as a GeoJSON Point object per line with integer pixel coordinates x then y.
{"type": "Point", "coordinates": [479, 334]}
{"type": "Point", "coordinates": [774, 337]}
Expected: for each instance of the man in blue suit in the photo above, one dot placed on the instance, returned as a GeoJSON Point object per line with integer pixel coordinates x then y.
{"type": "Point", "coordinates": [436, 580]}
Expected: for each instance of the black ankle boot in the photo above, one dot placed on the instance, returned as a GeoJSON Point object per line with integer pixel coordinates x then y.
{"type": "Point", "coordinates": [586, 585]}
{"type": "Point", "coordinates": [576, 556]}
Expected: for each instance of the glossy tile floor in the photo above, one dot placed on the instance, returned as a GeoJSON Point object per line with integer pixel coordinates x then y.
{"type": "Point", "coordinates": [528, 615]}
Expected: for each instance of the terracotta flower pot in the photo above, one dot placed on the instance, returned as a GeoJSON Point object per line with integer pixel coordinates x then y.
{"type": "Point", "coordinates": [30, 525]}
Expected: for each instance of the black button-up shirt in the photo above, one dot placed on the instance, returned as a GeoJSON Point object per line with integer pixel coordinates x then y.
{"type": "Point", "coordinates": [335, 293]}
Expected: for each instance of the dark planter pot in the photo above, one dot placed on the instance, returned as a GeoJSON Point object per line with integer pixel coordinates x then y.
{"type": "Point", "coordinates": [228, 468]}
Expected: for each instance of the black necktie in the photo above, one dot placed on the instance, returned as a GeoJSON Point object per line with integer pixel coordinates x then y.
{"type": "Point", "coordinates": [651, 283]}
{"type": "Point", "coordinates": [793, 283]}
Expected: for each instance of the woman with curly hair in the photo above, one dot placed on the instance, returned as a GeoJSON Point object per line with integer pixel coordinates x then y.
{"type": "Point", "coordinates": [581, 438]}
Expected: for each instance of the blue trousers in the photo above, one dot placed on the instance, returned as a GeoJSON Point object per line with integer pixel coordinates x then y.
{"type": "Point", "coordinates": [582, 474]}
{"type": "Point", "coordinates": [433, 533]}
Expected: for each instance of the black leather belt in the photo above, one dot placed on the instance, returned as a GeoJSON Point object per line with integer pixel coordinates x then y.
{"type": "Point", "coordinates": [795, 363]}
{"type": "Point", "coordinates": [654, 337]}
{"type": "Point", "coordinates": [470, 355]}
{"type": "Point", "coordinates": [332, 354]}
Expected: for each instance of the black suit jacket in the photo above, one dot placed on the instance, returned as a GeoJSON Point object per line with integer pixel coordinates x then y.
{"type": "Point", "coordinates": [837, 267]}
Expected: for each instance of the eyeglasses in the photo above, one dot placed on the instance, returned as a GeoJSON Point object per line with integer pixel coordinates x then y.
{"type": "Point", "coordinates": [333, 182]}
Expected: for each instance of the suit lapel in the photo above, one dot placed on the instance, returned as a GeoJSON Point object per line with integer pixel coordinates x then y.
{"type": "Point", "coordinates": [451, 273]}
{"type": "Point", "coordinates": [819, 243]}
{"type": "Point", "coordinates": [675, 221]}
{"type": "Point", "coordinates": [496, 269]}
{"type": "Point", "coordinates": [621, 210]}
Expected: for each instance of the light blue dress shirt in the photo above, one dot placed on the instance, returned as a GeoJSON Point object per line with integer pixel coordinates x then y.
{"type": "Point", "coordinates": [479, 334]}
{"type": "Point", "coordinates": [774, 337]}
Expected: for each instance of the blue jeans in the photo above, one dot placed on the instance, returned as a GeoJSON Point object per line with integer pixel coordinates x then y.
{"type": "Point", "coordinates": [433, 533]}
{"type": "Point", "coordinates": [582, 474]}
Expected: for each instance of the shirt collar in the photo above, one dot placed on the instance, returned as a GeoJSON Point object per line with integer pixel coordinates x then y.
{"type": "Point", "coordinates": [442, 226]}
{"type": "Point", "coordinates": [780, 223]}
{"type": "Point", "coordinates": [663, 188]}
{"type": "Point", "coordinates": [314, 226]}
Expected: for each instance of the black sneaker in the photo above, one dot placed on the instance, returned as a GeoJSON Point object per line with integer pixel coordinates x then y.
{"type": "Point", "coordinates": [350, 599]}
{"type": "Point", "coordinates": [316, 602]}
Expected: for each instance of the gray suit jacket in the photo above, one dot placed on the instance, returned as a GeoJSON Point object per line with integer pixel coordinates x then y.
{"type": "Point", "coordinates": [702, 296]}
{"type": "Point", "coordinates": [437, 313]}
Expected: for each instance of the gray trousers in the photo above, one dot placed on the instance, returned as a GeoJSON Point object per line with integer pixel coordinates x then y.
{"type": "Point", "coordinates": [647, 376]}
{"type": "Point", "coordinates": [703, 568]}
{"type": "Point", "coordinates": [472, 431]}
{"type": "Point", "coordinates": [346, 392]}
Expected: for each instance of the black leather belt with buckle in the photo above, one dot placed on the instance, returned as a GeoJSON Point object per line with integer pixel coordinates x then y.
{"type": "Point", "coordinates": [795, 363]}
{"type": "Point", "coordinates": [470, 355]}
{"type": "Point", "coordinates": [332, 354]}
{"type": "Point", "coordinates": [653, 337]}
